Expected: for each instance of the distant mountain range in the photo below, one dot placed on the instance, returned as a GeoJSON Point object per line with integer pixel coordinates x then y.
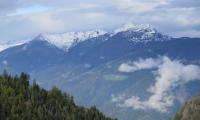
{"type": "Point", "coordinates": [121, 72]}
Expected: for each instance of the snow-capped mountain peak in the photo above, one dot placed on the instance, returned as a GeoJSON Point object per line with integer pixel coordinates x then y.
{"type": "Point", "coordinates": [141, 33]}
{"type": "Point", "coordinates": [136, 28]}
{"type": "Point", "coordinates": [69, 39]}
{"type": "Point", "coordinates": [136, 33]}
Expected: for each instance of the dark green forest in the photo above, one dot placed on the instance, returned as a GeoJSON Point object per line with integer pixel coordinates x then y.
{"type": "Point", "coordinates": [190, 111]}
{"type": "Point", "coordinates": [20, 100]}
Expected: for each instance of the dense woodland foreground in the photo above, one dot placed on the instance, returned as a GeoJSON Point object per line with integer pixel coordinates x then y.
{"type": "Point", "coordinates": [21, 101]}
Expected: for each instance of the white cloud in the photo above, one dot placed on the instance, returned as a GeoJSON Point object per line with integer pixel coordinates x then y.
{"type": "Point", "coordinates": [139, 65]}
{"type": "Point", "coordinates": [7, 6]}
{"type": "Point", "coordinates": [88, 5]}
{"type": "Point", "coordinates": [5, 62]}
{"type": "Point", "coordinates": [169, 74]}
{"type": "Point", "coordinates": [117, 98]}
{"type": "Point", "coordinates": [137, 6]}
{"type": "Point", "coordinates": [45, 22]}
{"type": "Point", "coordinates": [187, 20]}
{"type": "Point", "coordinates": [185, 3]}
{"type": "Point", "coordinates": [187, 33]}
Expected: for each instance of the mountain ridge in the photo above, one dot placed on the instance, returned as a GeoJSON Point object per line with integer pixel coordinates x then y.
{"type": "Point", "coordinates": [139, 33]}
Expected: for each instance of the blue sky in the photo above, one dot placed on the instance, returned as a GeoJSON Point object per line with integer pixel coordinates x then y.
{"type": "Point", "coordinates": [23, 19]}
{"type": "Point", "coordinates": [29, 10]}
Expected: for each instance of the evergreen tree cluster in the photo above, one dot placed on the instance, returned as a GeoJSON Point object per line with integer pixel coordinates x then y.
{"type": "Point", "coordinates": [190, 111]}
{"type": "Point", "coordinates": [21, 101]}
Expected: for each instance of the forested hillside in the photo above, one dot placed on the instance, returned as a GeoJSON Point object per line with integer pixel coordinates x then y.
{"type": "Point", "coordinates": [21, 101]}
{"type": "Point", "coordinates": [190, 111]}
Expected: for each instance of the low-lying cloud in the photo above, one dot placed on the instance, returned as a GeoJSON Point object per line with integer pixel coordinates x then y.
{"type": "Point", "coordinates": [168, 75]}
{"type": "Point", "coordinates": [141, 64]}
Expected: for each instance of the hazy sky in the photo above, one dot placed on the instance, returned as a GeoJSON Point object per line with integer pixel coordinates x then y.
{"type": "Point", "coordinates": [22, 19]}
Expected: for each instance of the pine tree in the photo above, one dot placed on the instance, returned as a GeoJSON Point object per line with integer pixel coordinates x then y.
{"type": "Point", "coordinates": [21, 101]}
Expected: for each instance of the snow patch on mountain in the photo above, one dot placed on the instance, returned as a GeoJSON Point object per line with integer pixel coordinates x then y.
{"type": "Point", "coordinates": [69, 39]}
{"type": "Point", "coordinates": [136, 28]}
{"type": "Point", "coordinates": [7, 45]}
{"type": "Point", "coordinates": [141, 33]}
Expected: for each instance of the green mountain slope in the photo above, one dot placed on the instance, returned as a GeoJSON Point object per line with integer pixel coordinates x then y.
{"type": "Point", "coordinates": [21, 101]}
{"type": "Point", "coordinates": [190, 111]}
